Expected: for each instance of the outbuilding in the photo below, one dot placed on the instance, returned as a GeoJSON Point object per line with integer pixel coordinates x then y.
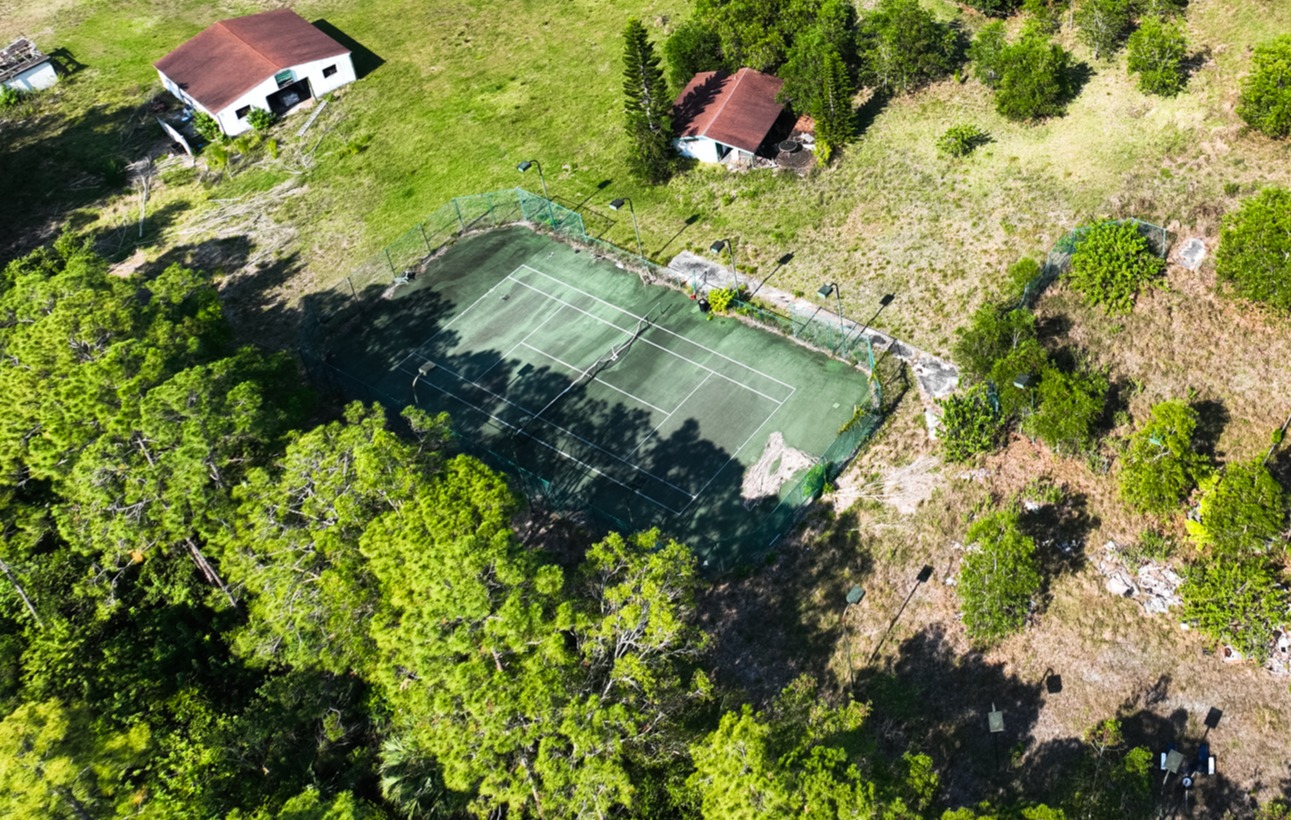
{"type": "Point", "coordinates": [23, 67]}
{"type": "Point", "coordinates": [721, 117]}
{"type": "Point", "coordinates": [274, 60]}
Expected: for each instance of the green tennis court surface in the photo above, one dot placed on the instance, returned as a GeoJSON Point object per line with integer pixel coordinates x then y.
{"type": "Point", "coordinates": [603, 393]}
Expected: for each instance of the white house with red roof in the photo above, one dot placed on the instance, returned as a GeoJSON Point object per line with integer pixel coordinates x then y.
{"type": "Point", "coordinates": [274, 60]}
{"type": "Point", "coordinates": [722, 116]}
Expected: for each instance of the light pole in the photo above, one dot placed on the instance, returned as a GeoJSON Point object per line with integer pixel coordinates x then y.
{"type": "Point", "coordinates": [824, 293]}
{"type": "Point", "coordinates": [854, 596]}
{"type": "Point", "coordinates": [616, 205]}
{"type": "Point", "coordinates": [531, 163]}
{"type": "Point", "coordinates": [726, 244]}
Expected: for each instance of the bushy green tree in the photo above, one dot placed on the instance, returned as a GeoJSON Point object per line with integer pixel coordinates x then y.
{"type": "Point", "coordinates": [1104, 24]}
{"type": "Point", "coordinates": [990, 335]}
{"type": "Point", "coordinates": [1242, 511]}
{"type": "Point", "coordinates": [790, 761]}
{"type": "Point", "coordinates": [261, 119]}
{"type": "Point", "coordinates": [1033, 76]}
{"type": "Point", "coordinates": [1254, 255]}
{"type": "Point", "coordinates": [1068, 409]}
{"type": "Point", "coordinates": [647, 105]}
{"type": "Point", "coordinates": [987, 53]}
{"type": "Point", "coordinates": [901, 47]}
{"type": "Point", "coordinates": [970, 424]}
{"type": "Point", "coordinates": [756, 34]}
{"type": "Point", "coordinates": [999, 577]}
{"type": "Point", "coordinates": [1111, 264]}
{"type": "Point", "coordinates": [1156, 52]}
{"type": "Point", "coordinates": [1161, 464]}
{"type": "Point", "coordinates": [1265, 103]}
{"type": "Point", "coordinates": [1239, 602]}
{"type": "Point", "coordinates": [806, 69]}
{"type": "Point", "coordinates": [691, 48]}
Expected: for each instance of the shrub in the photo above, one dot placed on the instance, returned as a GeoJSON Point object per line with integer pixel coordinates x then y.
{"type": "Point", "coordinates": [970, 424]}
{"type": "Point", "coordinates": [1069, 407]}
{"type": "Point", "coordinates": [962, 140]}
{"type": "Point", "coordinates": [216, 156]}
{"type": "Point", "coordinates": [1111, 263]}
{"type": "Point", "coordinates": [999, 579]}
{"type": "Point", "coordinates": [9, 97]}
{"type": "Point", "coordinates": [1265, 103]}
{"type": "Point", "coordinates": [260, 119]}
{"type": "Point", "coordinates": [719, 299]}
{"type": "Point", "coordinates": [901, 46]}
{"type": "Point", "coordinates": [1156, 53]}
{"type": "Point", "coordinates": [1239, 603]}
{"type": "Point", "coordinates": [1104, 24]}
{"type": "Point", "coordinates": [691, 48]}
{"type": "Point", "coordinates": [1161, 465]}
{"type": "Point", "coordinates": [993, 8]}
{"type": "Point", "coordinates": [1241, 511]}
{"type": "Point", "coordinates": [207, 127]}
{"type": "Point", "coordinates": [991, 335]}
{"type": "Point", "coordinates": [115, 172]}
{"type": "Point", "coordinates": [1027, 358]}
{"type": "Point", "coordinates": [1034, 78]}
{"type": "Point", "coordinates": [1254, 255]}
{"type": "Point", "coordinates": [987, 53]}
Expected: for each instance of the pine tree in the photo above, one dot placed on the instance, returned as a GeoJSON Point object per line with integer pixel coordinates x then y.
{"type": "Point", "coordinates": [647, 106]}
{"type": "Point", "coordinates": [835, 120]}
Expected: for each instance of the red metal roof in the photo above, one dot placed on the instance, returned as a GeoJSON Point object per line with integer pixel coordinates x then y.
{"type": "Point", "coordinates": [736, 110]}
{"type": "Point", "coordinates": [233, 56]}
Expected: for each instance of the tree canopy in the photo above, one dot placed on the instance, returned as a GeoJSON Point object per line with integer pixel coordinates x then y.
{"type": "Point", "coordinates": [1254, 255]}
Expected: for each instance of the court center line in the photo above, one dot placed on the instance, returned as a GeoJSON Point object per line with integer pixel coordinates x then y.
{"type": "Point", "coordinates": [665, 419]}
{"type": "Point", "coordinates": [684, 338]}
{"type": "Point", "coordinates": [506, 356]}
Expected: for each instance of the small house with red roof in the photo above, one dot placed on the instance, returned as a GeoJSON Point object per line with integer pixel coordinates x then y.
{"type": "Point", "coordinates": [721, 116]}
{"type": "Point", "coordinates": [274, 60]}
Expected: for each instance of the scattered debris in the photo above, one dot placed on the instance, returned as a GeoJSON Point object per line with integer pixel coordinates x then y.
{"type": "Point", "coordinates": [1191, 253]}
{"type": "Point", "coordinates": [1153, 586]}
{"type": "Point", "coordinates": [778, 464]}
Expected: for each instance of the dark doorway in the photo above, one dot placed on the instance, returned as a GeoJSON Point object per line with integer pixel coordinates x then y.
{"type": "Point", "coordinates": [290, 96]}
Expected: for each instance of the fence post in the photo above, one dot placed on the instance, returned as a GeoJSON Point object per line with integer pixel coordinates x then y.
{"type": "Point", "coordinates": [389, 261]}
{"type": "Point", "coordinates": [458, 208]}
{"type": "Point", "coordinates": [349, 280]}
{"type": "Point", "coordinates": [422, 227]}
{"type": "Point", "coordinates": [489, 199]}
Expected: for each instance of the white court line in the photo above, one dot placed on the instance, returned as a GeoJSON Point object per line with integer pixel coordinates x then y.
{"type": "Point", "coordinates": [674, 353]}
{"type": "Point", "coordinates": [639, 318]}
{"type": "Point", "coordinates": [574, 369]}
{"type": "Point", "coordinates": [704, 489]}
{"type": "Point", "coordinates": [551, 424]}
{"type": "Point", "coordinates": [505, 356]}
{"type": "Point", "coordinates": [588, 467]}
{"type": "Point", "coordinates": [651, 434]}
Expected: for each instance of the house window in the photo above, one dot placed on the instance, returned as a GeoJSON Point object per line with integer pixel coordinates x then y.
{"type": "Point", "coordinates": [329, 71]}
{"type": "Point", "coordinates": [284, 78]}
{"type": "Point", "coordinates": [243, 111]}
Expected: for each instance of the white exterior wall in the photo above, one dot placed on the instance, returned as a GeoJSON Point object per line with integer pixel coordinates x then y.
{"type": "Point", "coordinates": [178, 93]}
{"type": "Point", "coordinates": [36, 78]}
{"type": "Point", "coordinates": [701, 148]}
{"type": "Point", "coordinates": [258, 97]}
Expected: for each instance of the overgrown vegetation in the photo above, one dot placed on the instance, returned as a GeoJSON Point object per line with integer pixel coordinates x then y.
{"type": "Point", "coordinates": [1265, 103]}
{"type": "Point", "coordinates": [1111, 264]}
{"type": "Point", "coordinates": [1161, 465]}
{"type": "Point", "coordinates": [962, 140]}
{"type": "Point", "coordinates": [999, 578]}
{"type": "Point", "coordinates": [1032, 76]}
{"type": "Point", "coordinates": [1156, 53]}
{"type": "Point", "coordinates": [1254, 256]}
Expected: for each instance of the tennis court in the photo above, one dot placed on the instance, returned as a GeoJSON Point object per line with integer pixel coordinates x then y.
{"type": "Point", "coordinates": [602, 392]}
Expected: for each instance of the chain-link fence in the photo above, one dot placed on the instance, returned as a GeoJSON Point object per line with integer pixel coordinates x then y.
{"type": "Point", "coordinates": [1058, 261]}
{"type": "Point", "coordinates": [408, 257]}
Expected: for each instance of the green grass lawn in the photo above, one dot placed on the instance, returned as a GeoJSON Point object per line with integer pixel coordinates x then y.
{"type": "Point", "coordinates": [465, 91]}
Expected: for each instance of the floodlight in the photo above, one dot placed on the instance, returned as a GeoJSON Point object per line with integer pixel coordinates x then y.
{"type": "Point", "coordinates": [855, 594]}
{"type": "Point", "coordinates": [524, 166]}
{"type": "Point", "coordinates": [1023, 381]}
{"type": "Point", "coordinates": [825, 291]}
{"type": "Point", "coordinates": [617, 203]}
{"type": "Point", "coordinates": [718, 246]}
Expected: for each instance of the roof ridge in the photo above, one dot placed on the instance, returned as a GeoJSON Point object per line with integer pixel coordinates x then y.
{"type": "Point", "coordinates": [244, 41]}
{"type": "Point", "coordinates": [726, 97]}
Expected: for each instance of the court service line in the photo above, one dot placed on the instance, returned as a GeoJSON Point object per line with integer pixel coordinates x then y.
{"type": "Point", "coordinates": [574, 369]}
{"type": "Point", "coordinates": [674, 353]}
{"type": "Point", "coordinates": [551, 424]}
{"type": "Point", "coordinates": [664, 421]}
{"type": "Point", "coordinates": [588, 467]}
{"type": "Point", "coordinates": [506, 356]}
{"type": "Point", "coordinates": [639, 318]}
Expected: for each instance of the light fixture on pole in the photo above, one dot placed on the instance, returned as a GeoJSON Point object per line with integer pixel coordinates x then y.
{"type": "Point", "coordinates": [729, 246]}
{"type": "Point", "coordinates": [1025, 381]}
{"type": "Point", "coordinates": [824, 293]}
{"type": "Point", "coordinates": [533, 163]}
{"type": "Point", "coordinates": [616, 205]}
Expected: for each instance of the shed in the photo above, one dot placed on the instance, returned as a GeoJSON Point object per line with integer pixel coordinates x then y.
{"type": "Point", "coordinates": [23, 67]}
{"type": "Point", "coordinates": [274, 60]}
{"type": "Point", "coordinates": [720, 115]}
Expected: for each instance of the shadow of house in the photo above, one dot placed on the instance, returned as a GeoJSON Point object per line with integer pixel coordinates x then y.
{"type": "Point", "coordinates": [365, 60]}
